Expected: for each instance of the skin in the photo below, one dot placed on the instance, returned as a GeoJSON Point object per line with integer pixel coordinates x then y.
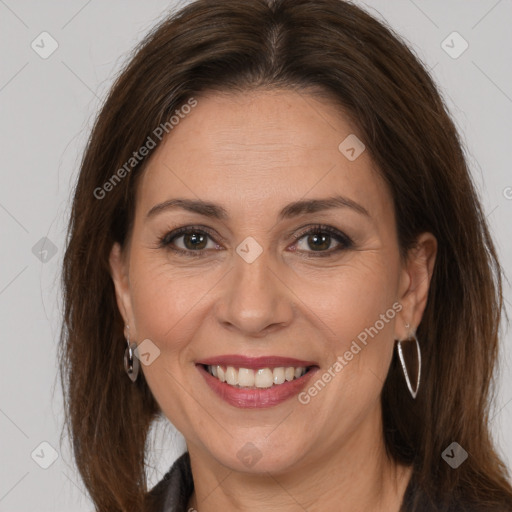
{"type": "Point", "coordinates": [253, 154]}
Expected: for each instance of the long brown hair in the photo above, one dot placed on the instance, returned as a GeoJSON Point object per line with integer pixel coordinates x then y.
{"type": "Point", "coordinates": [335, 48]}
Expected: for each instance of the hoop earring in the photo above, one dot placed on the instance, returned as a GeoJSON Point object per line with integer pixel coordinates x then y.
{"type": "Point", "coordinates": [131, 361]}
{"type": "Point", "coordinates": [409, 353]}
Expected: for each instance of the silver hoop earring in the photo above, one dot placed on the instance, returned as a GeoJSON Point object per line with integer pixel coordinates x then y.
{"type": "Point", "coordinates": [409, 353]}
{"type": "Point", "coordinates": [131, 361]}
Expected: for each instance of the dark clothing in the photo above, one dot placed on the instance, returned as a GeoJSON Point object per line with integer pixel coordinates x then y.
{"type": "Point", "coordinates": [172, 493]}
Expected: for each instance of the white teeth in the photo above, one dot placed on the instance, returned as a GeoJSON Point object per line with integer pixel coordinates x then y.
{"type": "Point", "coordinates": [279, 375]}
{"type": "Point", "coordinates": [260, 378]}
{"type": "Point", "coordinates": [231, 376]}
{"type": "Point", "coordinates": [246, 377]}
{"type": "Point", "coordinates": [264, 378]}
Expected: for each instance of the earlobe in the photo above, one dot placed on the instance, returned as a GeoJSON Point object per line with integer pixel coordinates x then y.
{"type": "Point", "coordinates": [119, 273]}
{"type": "Point", "coordinates": [416, 278]}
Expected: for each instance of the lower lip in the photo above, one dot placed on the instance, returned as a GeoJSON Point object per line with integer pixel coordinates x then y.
{"type": "Point", "coordinates": [247, 398]}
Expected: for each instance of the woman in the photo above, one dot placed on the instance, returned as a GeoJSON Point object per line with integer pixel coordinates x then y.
{"type": "Point", "coordinates": [275, 243]}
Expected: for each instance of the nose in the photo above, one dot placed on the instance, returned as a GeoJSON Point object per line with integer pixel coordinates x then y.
{"type": "Point", "coordinates": [254, 299]}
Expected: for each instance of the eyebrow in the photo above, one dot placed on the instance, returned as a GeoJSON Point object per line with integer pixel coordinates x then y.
{"type": "Point", "coordinates": [291, 210]}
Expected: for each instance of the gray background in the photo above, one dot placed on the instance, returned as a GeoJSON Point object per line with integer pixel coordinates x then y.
{"type": "Point", "coordinates": [47, 108]}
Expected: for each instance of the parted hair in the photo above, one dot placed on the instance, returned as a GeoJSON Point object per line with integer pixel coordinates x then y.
{"type": "Point", "coordinates": [324, 47]}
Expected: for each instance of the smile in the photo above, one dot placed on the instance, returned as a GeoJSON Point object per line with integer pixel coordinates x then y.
{"type": "Point", "coordinates": [256, 382]}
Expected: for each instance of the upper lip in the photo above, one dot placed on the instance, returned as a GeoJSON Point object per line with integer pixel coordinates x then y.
{"type": "Point", "coordinates": [255, 362]}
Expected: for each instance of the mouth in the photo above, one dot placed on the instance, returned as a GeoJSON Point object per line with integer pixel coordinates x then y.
{"type": "Point", "coordinates": [256, 382]}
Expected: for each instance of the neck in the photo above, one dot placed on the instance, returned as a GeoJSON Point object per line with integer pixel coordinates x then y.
{"type": "Point", "coordinates": [354, 476]}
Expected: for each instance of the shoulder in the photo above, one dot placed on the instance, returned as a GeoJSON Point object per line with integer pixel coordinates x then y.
{"type": "Point", "coordinates": [172, 492]}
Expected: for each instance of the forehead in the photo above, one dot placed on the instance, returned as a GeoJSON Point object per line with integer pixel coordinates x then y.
{"type": "Point", "coordinates": [254, 152]}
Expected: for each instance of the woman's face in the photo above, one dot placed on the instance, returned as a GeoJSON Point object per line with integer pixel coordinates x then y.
{"type": "Point", "coordinates": [255, 284]}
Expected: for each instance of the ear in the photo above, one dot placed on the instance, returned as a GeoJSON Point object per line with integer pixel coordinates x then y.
{"type": "Point", "coordinates": [415, 283]}
{"type": "Point", "coordinates": [119, 271]}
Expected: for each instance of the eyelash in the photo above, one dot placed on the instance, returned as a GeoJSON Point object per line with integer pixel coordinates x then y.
{"type": "Point", "coordinates": [345, 242]}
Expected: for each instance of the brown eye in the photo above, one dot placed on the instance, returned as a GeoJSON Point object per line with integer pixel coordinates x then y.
{"type": "Point", "coordinates": [321, 239]}
{"type": "Point", "coordinates": [194, 240]}
{"type": "Point", "coordinates": [318, 242]}
{"type": "Point", "coordinates": [188, 241]}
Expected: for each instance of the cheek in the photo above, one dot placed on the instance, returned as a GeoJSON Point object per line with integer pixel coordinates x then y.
{"type": "Point", "coordinates": [351, 297]}
{"type": "Point", "coordinates": [357, 307]}
{"type": "Point", "coordinates": [163, 307]}
{"type": "Point", "coordinates": [165, 301]}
